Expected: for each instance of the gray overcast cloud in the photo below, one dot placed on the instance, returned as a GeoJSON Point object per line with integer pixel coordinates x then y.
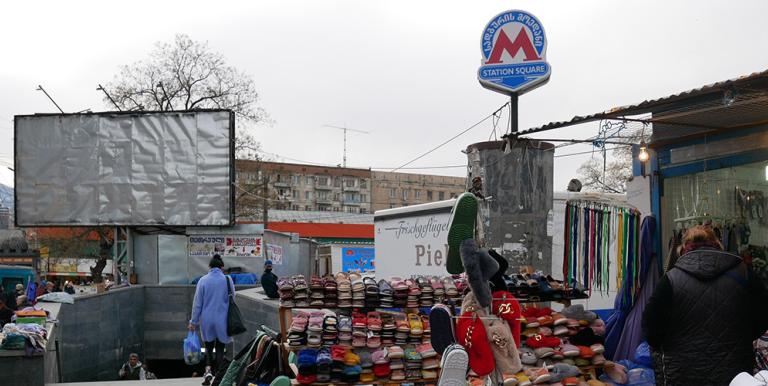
{"type": "Point", "coordinates": [403, 70]}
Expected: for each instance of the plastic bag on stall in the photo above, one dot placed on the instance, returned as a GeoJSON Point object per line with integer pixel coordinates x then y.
{"type": "Point", "coordinates": [192, 353]}
{"type": "Point", "coordinates": [643, 355]}
{"type": "Point", "coordinates": [641, 377]}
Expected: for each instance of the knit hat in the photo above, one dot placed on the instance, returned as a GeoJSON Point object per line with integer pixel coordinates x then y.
{"type": "Point", "coordinates": [471, 334]}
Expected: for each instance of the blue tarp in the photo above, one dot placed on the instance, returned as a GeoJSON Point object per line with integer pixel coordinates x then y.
{"type": "Point", "coordinates": [238, 278]}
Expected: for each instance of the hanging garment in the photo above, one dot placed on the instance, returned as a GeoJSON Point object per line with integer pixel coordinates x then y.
{"type": "Point", "coordinates": [625, 320]}
{"type": "Point", "coordinates": [631, 335]}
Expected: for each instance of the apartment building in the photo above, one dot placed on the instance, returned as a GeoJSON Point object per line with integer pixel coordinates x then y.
{"type": "Point", "coordinates": [300, 187]}
{"type": "Point", "coordinates": [393, 190]}
{"type": "Point", "coordinates": [291, 190]}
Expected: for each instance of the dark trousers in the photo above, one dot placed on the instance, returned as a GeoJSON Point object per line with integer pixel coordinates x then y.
{"type": "Point", "coordinates": [209, 358]}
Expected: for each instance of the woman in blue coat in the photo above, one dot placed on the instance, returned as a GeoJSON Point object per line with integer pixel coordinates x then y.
{"type": "Point", "coordinates": [209, 312]}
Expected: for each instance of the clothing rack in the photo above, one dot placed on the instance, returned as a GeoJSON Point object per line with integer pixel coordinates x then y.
{"type": "Point", "coordinates": [597, 232]}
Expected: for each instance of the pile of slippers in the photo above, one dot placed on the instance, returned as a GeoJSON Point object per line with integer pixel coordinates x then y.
{"type": "Point", "coordinates": [353, 290]}
{"type": "Point", "coordinates": [338, 363]}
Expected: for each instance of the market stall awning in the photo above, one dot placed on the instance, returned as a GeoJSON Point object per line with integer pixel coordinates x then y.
{"type": "Point", "coordinates": [736, 103]}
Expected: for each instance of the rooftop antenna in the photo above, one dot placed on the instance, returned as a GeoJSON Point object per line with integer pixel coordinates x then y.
{"type": "Point", "coordinates": [345, 129]}
{"type": "Point", "coordinates": [40, 88]}
{"type": "Point", "coordinates": [101, 88]}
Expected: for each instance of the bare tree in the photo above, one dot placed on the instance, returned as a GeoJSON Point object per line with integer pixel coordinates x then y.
{"type": "Point", "coordinates": [185, 75]}
{"type": "Point", "coordinates": [612, 172]}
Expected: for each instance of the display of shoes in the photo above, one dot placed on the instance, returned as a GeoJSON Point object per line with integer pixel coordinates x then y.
{"type": "Point", "coordinates": [383, 330]}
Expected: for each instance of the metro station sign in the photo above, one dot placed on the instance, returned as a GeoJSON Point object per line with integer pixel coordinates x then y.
{"type": "Point", "coordinates": [514, 49]}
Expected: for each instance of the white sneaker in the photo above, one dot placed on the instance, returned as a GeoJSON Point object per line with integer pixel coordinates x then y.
{"type": "Point", "coordinates": [207, 377]}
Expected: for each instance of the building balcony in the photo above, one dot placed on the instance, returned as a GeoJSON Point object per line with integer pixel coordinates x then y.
{"type": "Point", "coordinates": [324, 187]}
{"type": "Point", "coordinates": [351, 189]}
{"type": "Point", "coordinates": [352, 202]}
{"type": "Point", "coordinates": [324, 201]}
{"type": "Point", "coordinates": [282, 184]}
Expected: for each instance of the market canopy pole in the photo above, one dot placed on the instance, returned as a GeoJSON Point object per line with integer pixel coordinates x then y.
{"type": "Point", "coordinates": [514, 49]}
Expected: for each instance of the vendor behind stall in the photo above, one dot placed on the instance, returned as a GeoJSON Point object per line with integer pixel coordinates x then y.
{"type": "Point", "coordinates": [269, 281]}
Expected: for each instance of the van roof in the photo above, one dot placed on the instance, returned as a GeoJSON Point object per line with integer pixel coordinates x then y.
{"type": "Point", "coordinates": [4, 266]}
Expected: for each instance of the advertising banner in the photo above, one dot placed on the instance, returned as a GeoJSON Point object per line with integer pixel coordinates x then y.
{"type": "Point", "coordinates": [275, 253]}
{"type": "Point", "coordinates": [412, 243]}
{"type": "Point", "coordinates": [358, 259]}
{"type": "Point", "coordinates": [225, 246]}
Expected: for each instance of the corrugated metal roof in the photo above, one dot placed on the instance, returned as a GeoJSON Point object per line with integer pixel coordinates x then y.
{"type": "Point", "coordinates": [750, 103]}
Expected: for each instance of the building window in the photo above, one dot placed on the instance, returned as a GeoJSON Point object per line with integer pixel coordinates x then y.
{"type": "Point", "coordinates": [351, 209]}
{"type": "Point", "coordinates": [351, 197]}
{"type": "Point", "coordinates": [307, 195]}
{"type": "Point", "coordinates": [363, 210]}
{"type": "Point", "coordinates": [337, 182]}
{"type": "Point", "coordinates": [350, 182]}
{"type": "Point", "coordinates": [295, 194]}
{"type": "Point", "coordinates": [336, 196]}
{"type": "Point", "coordinates": [391, 206]}
{"type": "Point", "coordinates": [295, 180]}
{"type": "Point", "coordinates": [441, 195]}
{"type": "Point", "coordinates": [363, 198]}
{"type": "Point", "coordinates": [405, 194]}
{"type": "Point", "coordinates": [392, 192]}
{"type": "Point", "coordinates": [363, 184]}
{"type": "Point", "coordinates": [309, 180]}
{"type": "Point", "coordinates": [429, 195]}
{"type": "Point", "coordinates": [294, 207]}
{"type": "Point", "coordinates": [322, 181]}
{"type": "Point", "coordinates": [417, 194]}
{"type": "Point", "coordinates": [322, 195]}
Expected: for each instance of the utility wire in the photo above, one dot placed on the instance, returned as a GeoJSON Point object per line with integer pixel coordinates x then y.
{"type": "Point", "coordinates": [587, 152]}
{"type": "Point", "coordinates": [451, 139]}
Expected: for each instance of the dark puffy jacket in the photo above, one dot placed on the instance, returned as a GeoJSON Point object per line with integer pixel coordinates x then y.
{"type": "Point", "coordinates": [702, 319]}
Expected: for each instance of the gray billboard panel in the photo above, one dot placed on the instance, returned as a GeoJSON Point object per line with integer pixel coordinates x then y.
{"type": "Point", "coordinates": [137, 168]}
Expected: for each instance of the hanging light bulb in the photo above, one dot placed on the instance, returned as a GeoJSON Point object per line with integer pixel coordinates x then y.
{"type": "Point", "coordinates": [643, 155]}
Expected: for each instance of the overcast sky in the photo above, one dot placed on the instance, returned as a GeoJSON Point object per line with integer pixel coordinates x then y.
{"type": "Point", "coordinates": [403, 70]}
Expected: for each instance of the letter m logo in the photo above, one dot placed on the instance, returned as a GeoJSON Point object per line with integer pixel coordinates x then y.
{"type": "Point", "coordinates": [521, 42]}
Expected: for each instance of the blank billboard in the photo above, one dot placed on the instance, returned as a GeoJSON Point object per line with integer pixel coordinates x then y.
{"type": "Point", "coordinates": [129, 169]}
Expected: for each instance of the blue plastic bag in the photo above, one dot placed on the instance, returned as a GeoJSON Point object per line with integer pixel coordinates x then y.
{"type": "Point", "coordinates": [641, 377]}
{"type": "Point", "coordinates": [192, 353]}
{"type": "Point", "coordinates": [643, 355]}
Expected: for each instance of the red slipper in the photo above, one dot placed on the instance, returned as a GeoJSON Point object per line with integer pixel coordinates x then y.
{"type": "Point", "coordinates": [509, 310]}
{"type": "Point", "coordinates": [471, 334]}
{"type": "Point", "coordinates": [538, 341]}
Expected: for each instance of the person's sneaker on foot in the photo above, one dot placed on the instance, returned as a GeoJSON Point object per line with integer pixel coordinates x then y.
{"type": "Point", "coordinates": [207, 377]}
{"type": "Point", "coordinates": [461, 227]}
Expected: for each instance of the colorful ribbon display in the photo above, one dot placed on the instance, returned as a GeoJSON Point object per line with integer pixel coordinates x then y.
{"type": "Point", "coordinates": [594, 233]}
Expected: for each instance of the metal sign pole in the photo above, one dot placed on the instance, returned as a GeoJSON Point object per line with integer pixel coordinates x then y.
{"type": "Point", "coordinates": [513, 121]}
